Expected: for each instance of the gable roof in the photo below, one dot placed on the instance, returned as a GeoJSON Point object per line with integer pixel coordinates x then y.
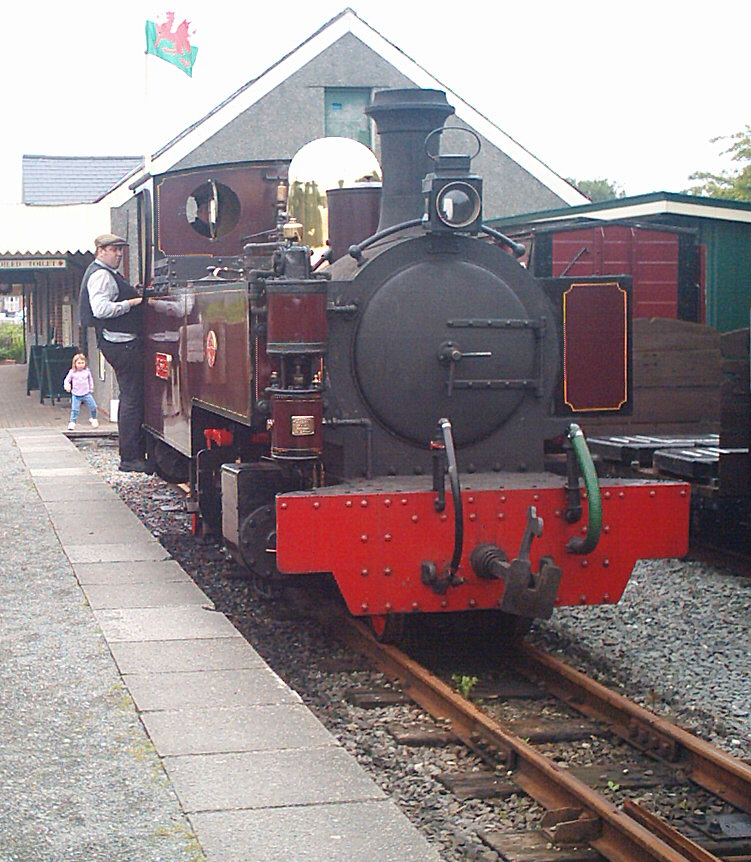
{"type": "Point", "coordinates": [53, 180]}
{"type": "Point", "coordinates": [346, 22]}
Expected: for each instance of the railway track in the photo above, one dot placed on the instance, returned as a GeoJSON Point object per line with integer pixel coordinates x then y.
{"type": "Point", "coordinates": [580, 822]}
{"type": "Point", "coordinates": [456, 812]}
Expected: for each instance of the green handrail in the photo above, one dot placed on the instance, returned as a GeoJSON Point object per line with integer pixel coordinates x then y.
{"type": "Point", "coordinates": [586, 544]}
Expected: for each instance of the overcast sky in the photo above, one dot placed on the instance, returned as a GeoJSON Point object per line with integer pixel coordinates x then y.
{"type": "Point", "coordinates": [631, 92]}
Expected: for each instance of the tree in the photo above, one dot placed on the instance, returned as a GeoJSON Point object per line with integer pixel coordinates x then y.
{"type": "Point", "coordinates": [598, 190]}
{"type": "Point", "coordinates": [735, 186]}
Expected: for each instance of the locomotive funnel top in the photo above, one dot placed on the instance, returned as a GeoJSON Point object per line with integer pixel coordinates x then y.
{"type": "Point", "coordinates": [404, 118]}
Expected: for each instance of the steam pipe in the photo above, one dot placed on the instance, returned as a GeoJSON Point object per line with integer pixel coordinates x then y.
{"type": "Point", "coordinates": [516, 247]}
{"type": "Point", "coordinates": [356, 251]}
{"type": "Point", "coordinates": [577, 544]}
{"type": "Point", "coordinates": [456, 495]}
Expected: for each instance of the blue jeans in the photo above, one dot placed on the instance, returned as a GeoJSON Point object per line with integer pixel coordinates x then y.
{"type": "Point", "coordinates": [75, 405]}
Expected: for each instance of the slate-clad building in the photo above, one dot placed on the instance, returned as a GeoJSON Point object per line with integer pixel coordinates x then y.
{"type": "Point", "coordinates": [64, 180]}
{"type": "Point", "coordinates": [45, 239]}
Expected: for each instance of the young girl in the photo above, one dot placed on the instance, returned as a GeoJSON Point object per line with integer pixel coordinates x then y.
{"type": "Point", "coordinates": [80, 384]}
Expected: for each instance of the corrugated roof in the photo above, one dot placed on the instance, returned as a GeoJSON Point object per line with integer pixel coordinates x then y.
{"type": "Point", "coordinates": [52, 180]}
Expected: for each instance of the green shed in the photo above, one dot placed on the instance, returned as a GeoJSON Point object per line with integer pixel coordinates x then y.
{"type": "Point", "coordinates": [723, 230]}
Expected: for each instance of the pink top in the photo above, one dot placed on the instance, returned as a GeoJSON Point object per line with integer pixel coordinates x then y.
{"type": "Point", "coordinates": [81, 381]}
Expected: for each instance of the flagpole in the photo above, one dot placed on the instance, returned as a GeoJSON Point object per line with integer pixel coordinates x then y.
{"type": "Point", "coordinates": [147, 115]}
{"type": "Point", "coordinates": [176, 50]}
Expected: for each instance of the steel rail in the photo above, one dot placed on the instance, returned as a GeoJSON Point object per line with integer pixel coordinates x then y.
{"type": "Point", "coordinates": [671, 836]}
{"type": "Point", "coordinates": [721, 774]}
{"type": "Point", "coordinates": [601, 824]}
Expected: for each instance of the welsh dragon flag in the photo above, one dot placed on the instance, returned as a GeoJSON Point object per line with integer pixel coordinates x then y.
{"type": "Point", "coordinates": [172, 43]}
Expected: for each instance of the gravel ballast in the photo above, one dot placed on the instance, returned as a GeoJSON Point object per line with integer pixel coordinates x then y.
{"type": "Point", "coordinates": [678, 642]}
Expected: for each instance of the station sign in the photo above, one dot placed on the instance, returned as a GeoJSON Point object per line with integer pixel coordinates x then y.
{"type": "Point", "coordinates": [33, 263]}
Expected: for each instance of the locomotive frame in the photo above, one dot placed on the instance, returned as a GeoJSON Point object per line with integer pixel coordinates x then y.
{"type": "Point", "coordinates": [317, 413]}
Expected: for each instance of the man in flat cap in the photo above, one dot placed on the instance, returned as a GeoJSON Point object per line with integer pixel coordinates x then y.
{"type": "Point", "coordinates": [113, 307]}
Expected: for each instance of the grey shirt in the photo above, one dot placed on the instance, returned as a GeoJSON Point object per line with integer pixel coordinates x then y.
{"type": "Point", "coordinates": [103, 292]}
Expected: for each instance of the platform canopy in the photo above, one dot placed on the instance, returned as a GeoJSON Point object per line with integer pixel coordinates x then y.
{"type": "Point", "coordinates": [42, 229]}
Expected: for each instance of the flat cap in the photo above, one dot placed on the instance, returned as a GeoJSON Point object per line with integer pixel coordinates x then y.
{"type": "Point", "coordinates": [109, 239]}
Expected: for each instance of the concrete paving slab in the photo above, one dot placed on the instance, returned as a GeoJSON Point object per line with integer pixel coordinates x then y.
{"type": "Point", "coordinates": [130, 572]}
{"type": "Point", "coordinates": [103, 531]}
{"type": "Point", "coordinates": [36, 431]}
{"type": "Point", "coordinates": [57, 461]}
{"type": "Point", "coordinates": [93, 512]}
{"type": "Point", "coordinates": [208, 688]}
{"type": "Point", "coordinates": [174, 594]}
{"type": "Point", "coordinates": [46, 459]}
{"type": "Point", "coordinates": [350, 832]}
{"type": "Point", "coordinates": [116, 552]}
{"type": "Point", "coordinates": [94, 516]}
{"type": "Point", "coordinates": [81, 781]}
{"type": "Point", "coordinates": [53, 443]}
{"type": "Point", "coordinates": [159, 624]}
{"type": "Point", "coordinates": [46, 449]}
{"type": "Point", "coordinates": [40, 431]}
{"type": "Point", "coordinates": [58, 472]}
{"type": "Point", "coordinates": [86, 488]}
{"type": "Point", "coordinates": [188, 655]}
{"type": "Point", "coordinates": [260, 779]}
{"type": "Point", "coordinates": [252, 728]}
{"type": "Point", "coordinates": [32, 433]}
{"type": "Point", "coordinates": [97, 513]}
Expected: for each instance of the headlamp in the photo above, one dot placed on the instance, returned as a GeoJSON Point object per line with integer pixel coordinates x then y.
{"type": "Point", "coordinates": [458, 205]}
{"type": "Point", "coordinates": [453, 197]}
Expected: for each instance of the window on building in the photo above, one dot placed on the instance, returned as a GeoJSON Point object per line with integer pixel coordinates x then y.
{"type": "Point", "coordinates": [345, 113]}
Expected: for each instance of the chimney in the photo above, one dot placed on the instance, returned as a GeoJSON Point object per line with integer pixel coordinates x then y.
{"type": "Point", "coordinates": [403, 119]}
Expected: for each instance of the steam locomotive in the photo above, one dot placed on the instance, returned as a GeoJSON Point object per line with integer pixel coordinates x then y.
{"type": "Point", "coordinates": [403, 417]}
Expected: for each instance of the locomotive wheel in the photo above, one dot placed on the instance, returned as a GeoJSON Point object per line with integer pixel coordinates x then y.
{"type": "Point", "coordinates": [257, 546]}
{"type": "Point", "coordinates": [388, 628]}
{"type": "Point", "coordinates": [169, 464]}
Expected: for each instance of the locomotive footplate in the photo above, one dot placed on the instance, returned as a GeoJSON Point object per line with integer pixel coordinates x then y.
{"type": "Point", "coordinates": [374, 536]}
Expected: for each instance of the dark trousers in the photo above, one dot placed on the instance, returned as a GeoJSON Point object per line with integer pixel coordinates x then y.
{"type": "Point", "coordinates": [127, 360]}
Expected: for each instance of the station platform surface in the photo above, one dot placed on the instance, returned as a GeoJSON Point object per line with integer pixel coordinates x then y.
{"type": "Point", "coordinates": [19, 410]}
{"type": "Point", "coordinates": [135, 722]}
